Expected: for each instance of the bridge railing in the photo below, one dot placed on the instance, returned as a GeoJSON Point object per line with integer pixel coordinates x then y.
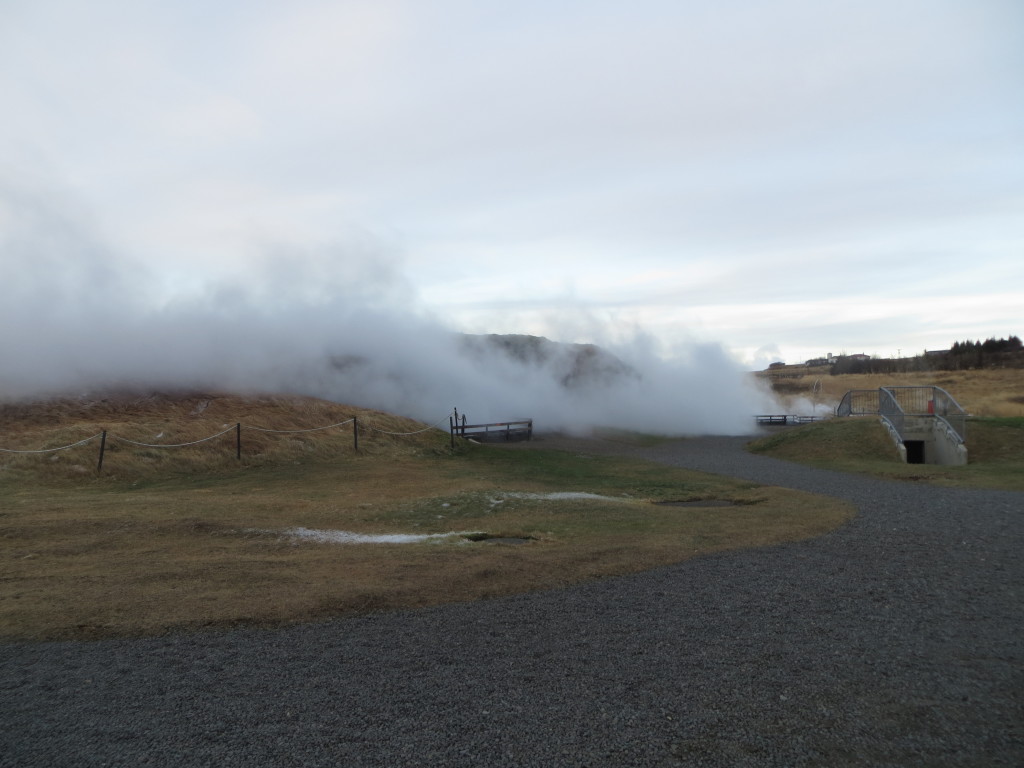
{"type": "Point", "coordinates": [859, 402]}
{"type": "Point", "coordinates": [949, 410]}
{"type": "Point", "coordinates": [785, 419]}
{"type": "Point", "coordinates": [507, 431]}
{"type": "Point", "coordinates": [891, 411]}
{"type": "Point", "coordinates": [896, 403]}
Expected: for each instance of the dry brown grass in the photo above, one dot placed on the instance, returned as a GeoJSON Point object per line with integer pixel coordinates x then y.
{"type": "Point", "coordinates": [173, 544]}
{"type": "Point", "coordinates": [141, 564]}
{"type": "Point", "coordinates": [163, 419]}
{"type": "Point", "coordinates": [985, 392]}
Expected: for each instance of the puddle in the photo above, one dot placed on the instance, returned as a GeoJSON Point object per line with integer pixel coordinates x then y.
{"type": "Point", "coordinates": [561, 496]}
{"type": "Point", "coordinates": [488, 539]}
{"type": "Point", "coordinates": [698, 503]}
{"type": "Point", "coordinates": [348, 537]}
{"type": "Point", "coordinates": [513, 540]}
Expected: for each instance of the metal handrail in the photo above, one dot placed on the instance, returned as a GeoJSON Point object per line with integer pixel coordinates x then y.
{"type": "Point", "coordinates": [896, 403]}
{"type": "Point", "coordinates": [891, 411]}
{"type": "Point", "coordinates": [948, 410]}
{"type": "Point", "coordinates": [859, 402]}
{"type": "Point", "coordinates": [508, 429]}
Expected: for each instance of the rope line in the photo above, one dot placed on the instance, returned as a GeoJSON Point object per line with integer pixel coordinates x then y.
{"type": "Point", "coordinates": [417, 432]}
{"type": "Point", "coordinates": [166, 445]}
{"type": "Point", "coordinates": [297, 431]}
{"type": "Point", "coordinates": [365, 425]}
{"type": "Point", "coordinates": [51, 450]}
{"type": "Point", "coordinates": [385, 432]}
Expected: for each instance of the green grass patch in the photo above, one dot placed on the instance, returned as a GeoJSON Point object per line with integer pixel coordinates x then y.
{"type": "Point", "coordinates": [610, 475]}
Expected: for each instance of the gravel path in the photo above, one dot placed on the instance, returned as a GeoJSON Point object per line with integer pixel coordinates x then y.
{"type": "Point", "coordinates": [895, 640]}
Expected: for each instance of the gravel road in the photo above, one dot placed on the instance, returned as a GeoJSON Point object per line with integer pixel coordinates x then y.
{"type": "Point", "coordinates": [895, 640]}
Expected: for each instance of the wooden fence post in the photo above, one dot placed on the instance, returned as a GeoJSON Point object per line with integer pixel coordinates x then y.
{"type": "Point", "coordinates": [238, 441]}
{"type": "Point", "coordinates": [451, 431]}
{"type": "Point", "coordinates": [355, 432]}
{"type": "Point", "coordinates": [103, 446]}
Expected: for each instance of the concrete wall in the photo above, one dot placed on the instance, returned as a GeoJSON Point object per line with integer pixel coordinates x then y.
{"type": "Point", "coordinates": [947, 449]}
{"type": "Point", "coordinates": [941, 445]}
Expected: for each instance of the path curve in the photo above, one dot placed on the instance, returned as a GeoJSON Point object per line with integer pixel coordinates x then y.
{"type": "Point", "coordinates": [894, 640]}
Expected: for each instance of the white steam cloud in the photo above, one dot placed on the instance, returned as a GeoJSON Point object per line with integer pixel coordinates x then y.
{"type": "Point", "coordinates": [334, 322]}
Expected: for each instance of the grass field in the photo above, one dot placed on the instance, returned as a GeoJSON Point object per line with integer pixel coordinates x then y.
{"type": "Point", "coordinates": [190, 538]}
{"type": "Point", "coordinates": [995, 392]}
{"type": "Point", "coordinates": [995, 448]}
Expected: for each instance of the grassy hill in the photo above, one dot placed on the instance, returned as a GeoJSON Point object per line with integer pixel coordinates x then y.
{"type": "Point", "coordinates": [274, 430]}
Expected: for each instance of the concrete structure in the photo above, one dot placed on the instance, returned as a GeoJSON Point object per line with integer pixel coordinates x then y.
{"type": "Point", "coordinates": [927, 425]}
{"type": "Point", "coordinates": [927, 440]}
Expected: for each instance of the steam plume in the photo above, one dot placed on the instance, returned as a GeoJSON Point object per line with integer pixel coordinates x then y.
{"type": "Point", "coordinates": [332, 322]}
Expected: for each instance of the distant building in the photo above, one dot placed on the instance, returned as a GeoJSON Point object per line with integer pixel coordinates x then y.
{"type": "Point", "coordinates": [776, 365]}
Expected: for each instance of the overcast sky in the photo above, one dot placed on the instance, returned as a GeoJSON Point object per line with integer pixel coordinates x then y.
{"type": "Point", "coordinates": [786, 178]}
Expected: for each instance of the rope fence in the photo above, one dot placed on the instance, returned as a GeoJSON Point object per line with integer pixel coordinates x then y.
{"type": "Point", "coordinates": [171, 445]}
{"type": "Point", "coordinates": [299, 431]}
{"type": "Point", "coordinates": [51, 450]}
{"type": "Point", "coordinates": [237, 428]}
{"type": "Point", "coordinates": [417, 432]}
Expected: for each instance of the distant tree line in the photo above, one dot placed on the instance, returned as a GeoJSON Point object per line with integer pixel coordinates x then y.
{"type": "Point", "coordinates": [991, 353]}
{"type": "Point", "coordinates": [961, 356]}
{"type": "Point", "coordinates": [1012, 344]}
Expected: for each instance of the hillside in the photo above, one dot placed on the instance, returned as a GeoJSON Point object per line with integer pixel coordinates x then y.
{"type": "Point", "coordinates": [985, 392]}
{"type": "Point", "coordinates": [273, 429]}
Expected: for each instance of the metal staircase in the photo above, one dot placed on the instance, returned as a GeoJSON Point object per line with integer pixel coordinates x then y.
{"type": "Point", "coordinates": [926, 423]}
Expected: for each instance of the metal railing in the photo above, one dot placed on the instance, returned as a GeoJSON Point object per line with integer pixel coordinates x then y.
{"type": "Point", "coordinates": [786, 419]}
{"type": "Point", "coordinates": [896, 403]}
{"type": "Point", "coordinates": [892, 412]}
{"type": "Point", "coordinates": [859, 402]}
{"type": "Point", "coordinates": [948, 410]}
{"type": "Point", "coordinates": [507, 431]}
